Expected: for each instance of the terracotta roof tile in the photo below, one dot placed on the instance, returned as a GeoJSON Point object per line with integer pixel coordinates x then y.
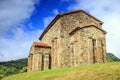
{"type": "Point", "coordinates": [41, 44]}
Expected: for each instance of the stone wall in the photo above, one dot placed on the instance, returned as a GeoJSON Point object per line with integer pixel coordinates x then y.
{"type": "Point", "coordinates": [53, 38]}
{"type": "Point", "coordinates": [82, 51]}
{"type": "Point", "coordinates": [90, 34]}
{"type": "Point", "coordinates": [79, 19]}
{"type": "Point", "coordinates": [59, 39]}
{"type": "Point", "coordinates": [82, 42]}
{"type": "Point", "coordinates": [39, 59]}
{"type": "Point", "coordinates": [30, 59]}
{"type": "Point", "coordinates": [86, 45]}
{"type": "Point", "coordinates": [42, 58]}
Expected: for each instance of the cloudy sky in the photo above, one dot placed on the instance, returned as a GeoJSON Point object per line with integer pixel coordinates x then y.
{"type": "Point", "coordinates": [22, 22]}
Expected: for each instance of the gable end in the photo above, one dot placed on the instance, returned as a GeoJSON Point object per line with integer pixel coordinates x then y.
{"type": "Point", "coordinates": [63, 14]}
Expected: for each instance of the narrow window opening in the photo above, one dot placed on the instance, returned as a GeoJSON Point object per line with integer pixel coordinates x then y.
{"type": "Point", "coordinates": [94, 56]}
{"type": "Point", "coordinates": [42, 62]}
{"type": "Point", "coordinates": [102, 51]}
{"type": "Point", "coordinates": [94, 42]}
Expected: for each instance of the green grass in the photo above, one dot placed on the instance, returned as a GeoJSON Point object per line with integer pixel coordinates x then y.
{"type": "Point", "coordinates": [105, 71]}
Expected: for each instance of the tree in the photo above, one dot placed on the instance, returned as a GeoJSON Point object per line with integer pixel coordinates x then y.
{"type": "Point", "coordinates": [111, 57]}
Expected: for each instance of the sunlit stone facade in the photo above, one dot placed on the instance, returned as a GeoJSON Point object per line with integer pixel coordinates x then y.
{"type": "Point", "coordinates": [71, 39]}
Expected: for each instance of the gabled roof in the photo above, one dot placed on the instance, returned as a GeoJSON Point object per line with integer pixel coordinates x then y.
{"type": "Point", "coordinates": [62, 14]}
{"type": "Point", "coordinates": [89, 25]}
{"type": "Point", "coordinates": [38, 44]}
{"type": "Point", "coordinates": [41, 44]}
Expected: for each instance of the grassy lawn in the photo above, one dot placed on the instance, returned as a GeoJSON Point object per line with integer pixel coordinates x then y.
{"type": "Point", "coordinates": [106, 71]}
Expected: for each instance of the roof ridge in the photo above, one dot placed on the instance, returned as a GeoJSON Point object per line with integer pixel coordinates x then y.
{"type": "Point", "coordinates": [62, 14]}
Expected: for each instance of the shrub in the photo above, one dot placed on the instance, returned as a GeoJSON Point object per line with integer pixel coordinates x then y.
{"type": "Point", "coordinates": [24, 70]}
{"type": "Point", "coordinates": [1, 77]}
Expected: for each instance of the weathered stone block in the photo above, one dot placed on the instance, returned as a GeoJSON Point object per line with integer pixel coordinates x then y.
{"type": "Point", "coordinates": [74, 38]}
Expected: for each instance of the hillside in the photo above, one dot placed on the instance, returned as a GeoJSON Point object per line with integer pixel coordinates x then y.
{"type": "Point", "coordinates": [12, 67]}
{"type": "Point", "coordinates": [105, 71]}
{"type": "Point", "coordinates": [111, 57]}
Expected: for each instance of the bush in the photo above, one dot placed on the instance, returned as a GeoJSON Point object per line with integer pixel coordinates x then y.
{"type": "Point", "coordinates": [1, 77]}
{"type": "Point", "coordinates": [24, 70]}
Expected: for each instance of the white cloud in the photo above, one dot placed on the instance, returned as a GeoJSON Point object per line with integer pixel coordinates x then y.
{"type": "Point", "coordinates": [15, 41]}
{"type": "Point", "coordinates": [55, 11]}
{"type": "Point", "coordinates": [19, 45]}
{"type": "Point", "coordinates": [14, 12]}
{"type": "Point", "coordinates": [107, 11]}
{"type": "Point", "coordinates": [48, 19]}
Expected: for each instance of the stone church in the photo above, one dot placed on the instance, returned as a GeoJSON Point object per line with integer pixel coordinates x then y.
{"type": "Point", "coordinates": [71, 39]}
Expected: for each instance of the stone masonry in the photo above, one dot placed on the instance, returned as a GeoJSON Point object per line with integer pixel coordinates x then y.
{"type": "Point", "coordinates": [72, 39]}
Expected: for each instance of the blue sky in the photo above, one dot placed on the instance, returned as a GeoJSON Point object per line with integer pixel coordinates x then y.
{"type": "Point", "coordinates": [48, 8]}
{"type": "Point", "coordinates": [23, 21]}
